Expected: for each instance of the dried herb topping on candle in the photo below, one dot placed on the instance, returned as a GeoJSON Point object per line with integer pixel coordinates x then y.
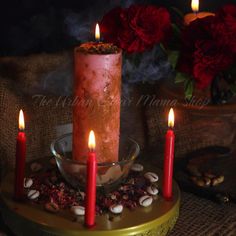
{"type": "Point", "coordinates": [98, 48]}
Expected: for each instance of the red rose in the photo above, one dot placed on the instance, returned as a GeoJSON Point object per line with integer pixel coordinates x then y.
{"type": "Point", "coordinates": [137, 28]}
{"type": "Point", "coordinates": [225, 29]}
{"type": "Point", "coordinates": [112, 24]}
{"type": "Point", "coordinates": [149, 23]}
{"type": "Point", "coordinates": [209, 59]}
{"type": "Point", "coordinates": [197, 31]}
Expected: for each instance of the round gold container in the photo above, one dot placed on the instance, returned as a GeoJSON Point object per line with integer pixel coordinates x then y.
{"type": "Point", "coordinates": [29, 219]}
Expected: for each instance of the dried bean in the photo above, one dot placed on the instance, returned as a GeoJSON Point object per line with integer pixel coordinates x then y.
{"type": "Point", "coordinates": [116, 208]}
{"type": "Point", "coordinates": [217, 180]}
{"type": "Point", "coordinates": [137, 167]}
{"type": "Point", "coordinates": [78, 210]}
{"type": "Point", "coordinates": [152, 190]}
{"type": "Point", "coordinates": [36, 167]}
{"type": "Point", "coordinates": [145, 201]}
{"type": "Point", "coordinates": [152, 177]}
{"type": "Point", "coordinates": [33, 194]}
{"type": "Point", "coordinates": [52, 207]}
{"type": "Point", "coordinates": [28, 182]}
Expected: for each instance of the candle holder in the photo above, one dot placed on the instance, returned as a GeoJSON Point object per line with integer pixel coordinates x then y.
{"type": "Point", "coordinates": [156, 219]}
{"type": "Point", "coordinates": [109, 174]}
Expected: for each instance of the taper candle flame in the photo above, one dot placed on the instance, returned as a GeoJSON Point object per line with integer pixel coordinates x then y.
{"type": "Point", "coordinates": [195, 5]}
{"type": "Point", "coordinates": [20, 159]}
{"type": "Point", "coordinates": [169, 158]}
{"type": "Point", "coordinates": [91, 142]}
{"type": "Point", "coordinates": [97, 32]}
{"type": "Point", "coordinates": [171, 118]}
{"type": "Point", "coordinates": [21, 121]}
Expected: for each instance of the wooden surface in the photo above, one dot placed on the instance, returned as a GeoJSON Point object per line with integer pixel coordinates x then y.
{"type": "Point", "coordinates": [218, 160]}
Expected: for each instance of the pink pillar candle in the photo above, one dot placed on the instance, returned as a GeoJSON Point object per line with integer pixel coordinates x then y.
{"type": "Point", "coordinates": [97, 92]}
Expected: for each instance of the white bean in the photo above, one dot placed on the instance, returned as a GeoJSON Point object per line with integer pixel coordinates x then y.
{"type": "Point", "coordinates": [28, 182]}
{"type": "Point", "coordinates": [137, 167]}
{"type": "Point", "coordinates": [152, 190]}
{"type": "Point", "coordinates": [152, 177]}
{"type": "Point", "coordinates": [33, 194]}
{"type": "Point", "coordinates": [116, 208]}
{"type": "Point", "coordinates": [145, 201]}
{"type": "Point", "coordinates": [78, 210]}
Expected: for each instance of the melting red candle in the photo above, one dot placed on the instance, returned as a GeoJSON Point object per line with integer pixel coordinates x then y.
{"type": "Point", "coordinates": [20, 159]}
{"type": "Point", "coordinates": [188, 18]}
{"type": "Point", "coordinates": [90, 207]}
{"type": "Point", "coordinates": [169, 158]}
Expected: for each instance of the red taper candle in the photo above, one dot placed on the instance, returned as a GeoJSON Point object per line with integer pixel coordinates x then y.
{"type": "Point", "coordinates": [20, 159]}
{"type": "Point", "coordinates": [90, 199]}
{"type": "Point", "coordinates": [169, 158]}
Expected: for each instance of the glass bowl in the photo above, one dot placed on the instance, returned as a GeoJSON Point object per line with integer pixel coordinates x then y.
{"type": "Point", "coordinates": [109, 174]}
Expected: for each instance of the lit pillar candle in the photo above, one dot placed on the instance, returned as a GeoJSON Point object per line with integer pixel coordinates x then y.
{"type": "Point", "coordinates": [97, 90]}
{"type": "Point", "coordinates": [169, 158]}
{"type": "Point", "coordinates": [20, 159]}
{"type": "Point", "coordinates": [188, 18]}
{"type": "Point", "coordinates": [90, 200]}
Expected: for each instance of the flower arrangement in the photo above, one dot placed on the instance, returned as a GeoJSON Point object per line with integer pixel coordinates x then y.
{"type": "Point", "coordinates": [205, 56]}
{"type": "Point", "coordinates": [139, 30]}
{"type": "Point", "coordinates": [208, 55]}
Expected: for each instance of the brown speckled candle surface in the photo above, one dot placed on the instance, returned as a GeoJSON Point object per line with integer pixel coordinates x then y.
{"type": "Point", "coordinates": [97, 95]}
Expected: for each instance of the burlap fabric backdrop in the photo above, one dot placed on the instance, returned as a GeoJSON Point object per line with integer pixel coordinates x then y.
{"type": "Point", "coordinates": [19, 85]}
{"type": "Point", "coordinates": [196, 124]}
{"type": "Point", "coordinates": [22, 86]}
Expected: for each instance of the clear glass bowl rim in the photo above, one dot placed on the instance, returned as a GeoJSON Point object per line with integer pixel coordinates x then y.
{"type": "Point", "coordinates": [57, 155]}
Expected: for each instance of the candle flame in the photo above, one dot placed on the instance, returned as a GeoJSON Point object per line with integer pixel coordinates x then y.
{"type": "Point", "coordinates": [97, 32]}
{"type": "Point", "coordinates": [91, 141]}
{"type": "Point", "coordinates": [21, 120]}
{"type": "Point", "coordinates": [195, 5]}
{"type": "Point", "coordinates": [171, 118]}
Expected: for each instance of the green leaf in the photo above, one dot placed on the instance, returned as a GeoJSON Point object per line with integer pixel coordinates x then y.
{"type": "Point", "coordinates": [178, 12]}
{"type": "Point", "coordinates": [163, 48]}
{"type": "Point", "coordinates": [176, 30]}
{"type": "Point", "coordinates": [180, 77]}
{"type": "Point", "coordinates": [233, 89]}
{"type": "Point", "coordinates": [173, 57]}
{"type": "Point", "coordinates": [232, 71]}
{"type": "Point", "coordinates": [188, 88]}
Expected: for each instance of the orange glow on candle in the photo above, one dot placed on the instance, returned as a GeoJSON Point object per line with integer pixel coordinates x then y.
{"type": "Point", "coordinates": [97, 32]}
{"type": "Point", "coordinates": [21, 121]}
{"type": "Point", "coordinates": [91, 141]}
{"type": "Point", "coordinates": [195, 5]}
{"type": "Point", "coordinates": [171, 118]}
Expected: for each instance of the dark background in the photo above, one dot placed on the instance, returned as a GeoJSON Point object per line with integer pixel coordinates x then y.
{"type": "Point", "coordinates": [32, 26]}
